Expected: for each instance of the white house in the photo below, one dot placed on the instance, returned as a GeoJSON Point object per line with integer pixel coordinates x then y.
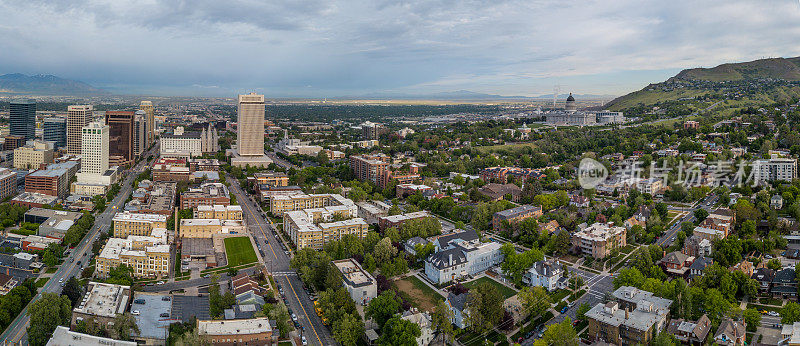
{"type": "Point", "coordinates": [465, 258]}
{"type": "Point", "coordinates": [547, 274]}
{"type": "Point", "coordinates": [423, 320]}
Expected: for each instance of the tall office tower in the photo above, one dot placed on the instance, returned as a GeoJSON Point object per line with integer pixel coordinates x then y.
{"type": "Point", "coordinates": [94, 151]}
{"type": "Point", "coordinates": [250, 137]}
{"type": "Point", "coordinates": [147, 107]}
{"type": "Point", "coordinates": [77, 118]}
{"type": "Point", "coordinates": [121, 135]}
{"type": "Point", "coordinates": [140, 133]}
{"type": "Point", "coordinates": [22, 118]}
{"type": "Point", "coordinates": [55, 130]}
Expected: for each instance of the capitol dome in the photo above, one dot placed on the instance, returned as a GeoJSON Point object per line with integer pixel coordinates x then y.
{"type": "Point", "coordinates": [570, 104]}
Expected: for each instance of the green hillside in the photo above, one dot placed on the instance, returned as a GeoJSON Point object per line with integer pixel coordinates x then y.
{"type": "Point", "coordinates": [761, 82]}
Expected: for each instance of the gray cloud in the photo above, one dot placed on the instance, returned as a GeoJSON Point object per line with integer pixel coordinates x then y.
{"type": "Point", "coordinates": [328, 48]}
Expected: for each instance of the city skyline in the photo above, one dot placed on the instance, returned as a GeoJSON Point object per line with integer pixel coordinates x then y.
{"type": "Point", "coordinates": [334, 49]}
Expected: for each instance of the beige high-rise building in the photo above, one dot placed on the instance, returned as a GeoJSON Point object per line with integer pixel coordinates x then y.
{"type": "Point", "coordinates": [250, 138]}
{"type": "Point", "coordinates": [94, 148]}
{"type": "Point", "coordinates": [147, 107]}
{"type": "Point", "coordinates": [77, 117]}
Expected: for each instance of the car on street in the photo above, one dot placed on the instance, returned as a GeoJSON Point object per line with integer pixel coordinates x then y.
{"type": "Point", "coordinates": [564, 309]}
{"type": "Point", "coordinates": [60, 280]}
{"type": "Point", "coordinates": [773, 314]}
{"type": "Point", "coordinates": [303, 338]}
{"type": "Point", "coordinates": [135, 312]}
{"type": "Point", "coordinates": [160, 283]}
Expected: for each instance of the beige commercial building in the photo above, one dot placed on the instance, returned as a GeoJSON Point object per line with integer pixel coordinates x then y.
{"type": "Point", "coordinates": [77, 118]}
{"type": "Point", "coordinates": [250, 134]}
{"type": "Point", "coordinates": [126, 224]}
{"type": "Point", "coordinates": [281, 204]}
{"type": "Point", "coordinates": [149, 111]}
{"type": "Point", "coordinates": [148, 256]}
{"type": "Point", "coordinates": [315, 227]}
{"type": "Point", "coordinates": [94, 157]}
{"type": "Point", "coordinates": [33, 154]}
{"type": "Point", "coordinates": [207, 228]}
{"type": "Point", "coordinates": [221, 212]}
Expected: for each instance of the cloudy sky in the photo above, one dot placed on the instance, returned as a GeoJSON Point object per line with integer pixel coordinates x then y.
{"type": "Point", "coordinates": [318, 48]}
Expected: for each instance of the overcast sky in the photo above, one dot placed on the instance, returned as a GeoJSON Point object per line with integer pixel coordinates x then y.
{"type": "Point", "coordinates": [318, 48]}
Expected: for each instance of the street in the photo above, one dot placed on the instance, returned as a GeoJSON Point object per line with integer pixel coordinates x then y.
{"type": "Point", "coordinates": [278, 263]}
{"type": "Point", "coordinates": [16, 333]}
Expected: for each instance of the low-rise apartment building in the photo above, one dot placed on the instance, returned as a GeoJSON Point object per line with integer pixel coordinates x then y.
{"type": "Point", "coordinates": [206, 194]}
{"type": "Point", "coordinates": [514, 215]}
{"type": "Point", "coordinates": [148, 256]}
{"type": "Point", "coordinates": [599, 239]}
{"type": "Point", "coordinates": [102, 302]}
{"type": "Point", "coordinates": [278, 205]}
{"type": "Point", "coordinates": [385, 222]}
{"type": "Point", "coordinates": [254, 331]}
{"type": "Point", "coordinates": [126, 224]}
{"type": "Point", "coordinates": [358, 282]}
{"type": "Point", "coordinates": [634, 317]}
{"type": "Point", "coordinates": [315, 227]}
{"type": "Point", "coordinates": [221, 212]}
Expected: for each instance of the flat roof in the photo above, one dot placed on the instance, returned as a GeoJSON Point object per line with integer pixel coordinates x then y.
{"type": "Point", "coordinates": [102, 299]}
{"type": "Point", "coordinates": [234, 327]}
{"type": "Point", "coordinates": [136, 217]}
{"type": "Point", "coordinates": [353, 274]}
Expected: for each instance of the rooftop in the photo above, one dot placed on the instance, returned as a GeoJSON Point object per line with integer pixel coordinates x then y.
{"type": "Point", "coordinates": [353, 274]}
{"type": "Point", "coordinates": [106, 300]}
{"type": "Point", "coordinates": [234, 327]}
{"type": "Point", "coordinates": [126, 216]}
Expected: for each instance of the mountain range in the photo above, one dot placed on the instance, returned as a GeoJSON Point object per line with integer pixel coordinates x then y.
{"type": "Point", "coordinates": [17, 83]}
{"type": "Point", "coordinates": [471, 95]}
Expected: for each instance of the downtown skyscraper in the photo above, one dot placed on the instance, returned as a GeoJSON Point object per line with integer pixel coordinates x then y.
{"type": "Point", "coordinates": [250, 134]}
{"type": "Point", "coordinates": [22, 119]}
{"type": "Point", "coordinates": [78, 117]}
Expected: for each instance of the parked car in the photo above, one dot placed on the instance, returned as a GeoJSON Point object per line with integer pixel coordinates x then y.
{"type": "Point", "coordinates": [773, 314]}
{"type": "Point", "coordinates": [564, 309]}
{"type": "Point", "coordinates": [135, 312]}
{"type": "Point", "coordinates": [303, 338]}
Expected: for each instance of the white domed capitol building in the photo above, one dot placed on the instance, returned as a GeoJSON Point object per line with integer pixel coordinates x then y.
{"type": "Point", "coordinates": [571, 116]}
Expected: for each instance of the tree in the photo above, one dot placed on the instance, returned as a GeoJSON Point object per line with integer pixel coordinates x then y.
{"type": "Point", "coordinates": [347, 329]}
{"type": "Point", "coordinates": [441, 320]}
{"type": "Point", "coordinates": [383, 307]}
{"type": "Point", "coordinates": [790, 313]}
{"type": "Point", "coordinates": [485, 308]}
{"type": "Point", "coordinates": [73, 290]}
{"type": "Point", "coordinates": [582, 310]}
{"type": "Point", "coordinates": [534, 300]}
{"type": "Point", "coordinates": [398, 331]}
{"type": "Point", "coordinates": [562, 334]}
{"type": "Point", "coordinates": [516, 264]}
{"type": "Point", "coordinates": [753, 319]}
{"type": "Point", "coordinates": [700, 214]}
{"type": "Point", "coordinates": [45, 315]}
{"type": "Point", "coordinates": [384, 250]}
{"type": "Point", "coordinates": [123, 325]}
{"type": "Point", "coordinates": [664, 339]}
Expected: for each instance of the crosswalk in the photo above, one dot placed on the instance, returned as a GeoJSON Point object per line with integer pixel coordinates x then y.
{"type": "Point", "coordinates": [284, 274]}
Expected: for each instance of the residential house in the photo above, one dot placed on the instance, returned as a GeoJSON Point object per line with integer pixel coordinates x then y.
{"type": "Point", "coordinates": [411, 244]}
{"type": "Point", "coordinates": [547, 274]}
{"type": "Point", "coordinates": [457, 303]}
{"type": "Point", "coordinates": [676, 263]}
{"type": "Point", "coordinates": [634, 317]}
{"type": "Point", "coordinates": [764, 277]}
{"type": "Point", "coordinates": [699, 266]}
{"type": "Point", "coordinates": [790, 335]}
{"type": "Point", "coordinates": [688, 332]}
{"type": "Point", "coordinates": [425, 323]}
{"type": "Point", "coordinates": [776, 202]}
{"type": "Point", "coordinates": [784, 285]}
{"type": "Point", "coordinates": [462, 259]}
{"type": "Point", "coordinates": [745, 267]}
{"type": "Point", "coordinates": [731, 333]}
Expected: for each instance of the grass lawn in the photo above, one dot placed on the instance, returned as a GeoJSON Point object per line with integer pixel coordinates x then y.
{"type": "Point", "coordinates": [51, 270]}
{"type": "Point", "coordinates": [284, 343]}
{"type": "Point", "coordinates": [418, 293]}
{"type": "Point", "coordinates": [239, 251]}
{"type": "Point", "coordinates": [506, 291]}
{"type": "Point", "coordinates": [558, 295]}
{"type": "Point", "coordinates": [41, 282]}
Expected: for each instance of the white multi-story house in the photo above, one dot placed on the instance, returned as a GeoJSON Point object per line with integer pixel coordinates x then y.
{"type": "Point", "coordinates": [423, 320]}
{"type": "Point", "coordinates": [547, 274]}
{"type": "Point", "coordinates": [462, 259]}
